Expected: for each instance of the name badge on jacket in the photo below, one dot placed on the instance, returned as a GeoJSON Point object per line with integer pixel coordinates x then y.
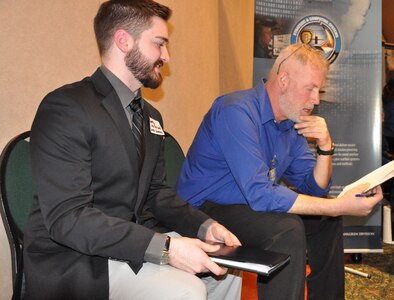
{"type": "Point", "coordinates": [155, 127]}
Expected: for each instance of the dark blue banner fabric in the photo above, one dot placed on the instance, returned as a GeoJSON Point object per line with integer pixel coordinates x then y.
{"type": "Point", "coordinates": [349, 33]}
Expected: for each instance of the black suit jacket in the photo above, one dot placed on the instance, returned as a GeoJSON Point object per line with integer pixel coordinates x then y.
{"type": "Point", "coordinates": [89, 192]}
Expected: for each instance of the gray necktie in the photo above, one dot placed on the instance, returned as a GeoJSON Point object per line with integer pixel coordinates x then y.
{"type": "Point", "coordinates": [137, 129]}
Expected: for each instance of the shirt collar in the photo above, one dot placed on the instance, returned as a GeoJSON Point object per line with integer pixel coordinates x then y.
{"type": "Point", "coordinates": [123, 91]}
{"type": "Point", "coordinates": [267, 115]}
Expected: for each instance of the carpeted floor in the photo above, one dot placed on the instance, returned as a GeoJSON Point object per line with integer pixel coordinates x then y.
{"type": "Point", "coordinates": [379, 287]}
{"type": "Point", "coordinates": [381, 284]}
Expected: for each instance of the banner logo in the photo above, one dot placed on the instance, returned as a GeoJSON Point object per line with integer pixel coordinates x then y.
{"type": "Point", "coordinates": [318, 32]}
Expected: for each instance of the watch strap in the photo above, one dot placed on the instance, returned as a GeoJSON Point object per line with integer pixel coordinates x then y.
{"type": "Point", "coordinates": [167, 243]}
{"type": "Point", "coordinates": [328, 152]}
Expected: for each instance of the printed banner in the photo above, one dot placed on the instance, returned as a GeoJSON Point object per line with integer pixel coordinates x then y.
{"type": "Point", "coordinates": [349, 33]}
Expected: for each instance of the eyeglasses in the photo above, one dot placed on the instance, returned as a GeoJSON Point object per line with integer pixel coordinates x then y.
{"type": "Point", "coordinates": [306, 46]}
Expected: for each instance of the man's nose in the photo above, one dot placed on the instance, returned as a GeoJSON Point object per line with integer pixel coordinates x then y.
{"type": "Point", "coordinates": [165, 55]}
{"type": "Point", "coordinates": [316, 97]}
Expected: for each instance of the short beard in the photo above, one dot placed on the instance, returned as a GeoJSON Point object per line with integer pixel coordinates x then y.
{"type": "Point", "coordinates": [287, 108]}
{"type": "Point", "coordinates": [142, 69]}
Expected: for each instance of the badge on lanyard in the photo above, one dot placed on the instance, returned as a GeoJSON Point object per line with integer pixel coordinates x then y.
{"type": "Point", "coordinates": [272, 170]}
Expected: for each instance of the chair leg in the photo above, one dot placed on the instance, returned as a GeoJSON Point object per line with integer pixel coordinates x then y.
{"type": "Point", "coordinates": [19, 286]}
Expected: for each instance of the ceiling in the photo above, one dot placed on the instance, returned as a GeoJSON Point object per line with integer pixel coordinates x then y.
{"type": "Point", "coordinates": [387, 20]}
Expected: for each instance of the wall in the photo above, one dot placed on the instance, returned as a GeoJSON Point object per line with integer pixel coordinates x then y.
{"type": "Point", "coordinates": [387, 22]}
{"type": "Point", "coordinates": [236, 19]}
{"type": "Point", "coordinates": [47, 43]}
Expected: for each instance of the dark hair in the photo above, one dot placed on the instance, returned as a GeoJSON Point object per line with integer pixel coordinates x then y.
{"type": "Point", "coordinates": [134, 16]}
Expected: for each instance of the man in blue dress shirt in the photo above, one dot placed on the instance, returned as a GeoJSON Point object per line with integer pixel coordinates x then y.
{"type": "Point", "coordinates": [247, 144]}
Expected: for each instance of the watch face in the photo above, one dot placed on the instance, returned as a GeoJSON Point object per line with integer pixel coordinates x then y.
{"type": "Point", "coordinates": [165, 258]}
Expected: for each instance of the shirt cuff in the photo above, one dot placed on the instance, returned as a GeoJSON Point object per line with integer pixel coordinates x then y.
{"type": "Point", "coordinates": [155, 248]}
{"type": "Point", "coordinates": [202, 231]}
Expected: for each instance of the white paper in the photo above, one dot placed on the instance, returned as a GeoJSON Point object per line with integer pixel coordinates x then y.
{"type": "Point", "coordinates": [374, 178]}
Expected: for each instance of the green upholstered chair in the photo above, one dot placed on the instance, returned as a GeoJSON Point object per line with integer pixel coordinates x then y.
{"type": "Point", "coordinates": [16, 197]}
{"type": "Point", "coordinates": [17, 193]}
{"type": "Point", "coordinates": [174, 157]}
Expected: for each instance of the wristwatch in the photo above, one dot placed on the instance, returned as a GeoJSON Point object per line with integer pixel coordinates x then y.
{"type": "Point", "coordinates": [322, 152]}
{"type": "Point", "coordinates": [165, 253]}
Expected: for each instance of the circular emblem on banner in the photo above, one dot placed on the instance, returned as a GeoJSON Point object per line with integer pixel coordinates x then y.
{"type": "Point", "coordinates": [320, 33]}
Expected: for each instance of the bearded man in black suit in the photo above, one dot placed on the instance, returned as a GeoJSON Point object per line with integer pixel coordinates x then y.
{"type": "Point", "coordinates": [102, 204]}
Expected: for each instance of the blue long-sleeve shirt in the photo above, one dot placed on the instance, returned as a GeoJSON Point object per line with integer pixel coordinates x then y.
{"type": "Point", "coordinates": [234, 149]}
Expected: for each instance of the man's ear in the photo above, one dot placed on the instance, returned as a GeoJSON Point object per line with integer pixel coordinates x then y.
{"type": "Point", "coordinates": [283, 80]}
{"type": "Point", "coordinates": [123, 40]}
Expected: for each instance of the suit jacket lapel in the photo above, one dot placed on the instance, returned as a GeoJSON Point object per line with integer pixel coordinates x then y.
{"type": "Point", "coordinates": [148, 165]}
{"type": "Point", "coordinates": [112, 104]}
